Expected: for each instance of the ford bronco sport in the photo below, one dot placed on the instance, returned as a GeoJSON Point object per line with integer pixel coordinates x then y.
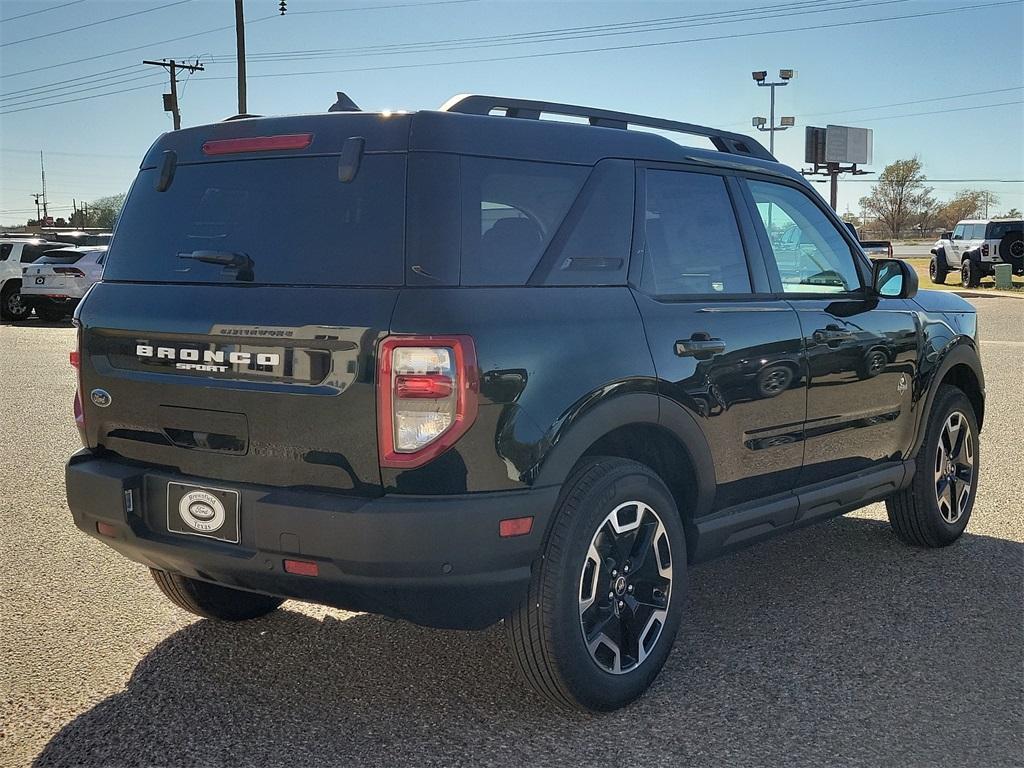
{"type": "Point", "coordinates": [467, 365]}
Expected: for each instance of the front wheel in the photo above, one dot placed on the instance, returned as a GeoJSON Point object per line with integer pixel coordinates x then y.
{"type": "Point", "coordinates": [212, 601]}
{"type": "Point", "coordinates": [607, 598]}
{"type": "Point", "coordinates": [934, 510]}
{"type": "Point", "coordinates": [937, 269]}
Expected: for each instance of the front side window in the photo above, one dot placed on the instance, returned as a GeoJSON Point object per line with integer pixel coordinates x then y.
{"type": "Point", "coordinates": [958, 232]}
{"type": "Point", "coordinates": [692, 240]}
{"type": "Point", "coordinates": [810, 252]}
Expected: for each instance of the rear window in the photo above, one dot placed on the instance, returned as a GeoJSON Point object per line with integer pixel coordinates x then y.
{"type": "Point", "coordinates": [997, 230]}
{"type": "Point", "coordinates": [291, 219]}
{"type": "Point", "coordinates": [60, 257]}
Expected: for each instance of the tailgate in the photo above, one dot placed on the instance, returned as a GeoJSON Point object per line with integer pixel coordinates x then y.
{"type": "Point", "coordinates": [199, 381]}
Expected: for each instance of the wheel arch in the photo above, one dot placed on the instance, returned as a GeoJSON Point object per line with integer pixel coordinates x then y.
{"type": "Point", "coordinates": [647, 428]}
{"type": "Point", "coordinates": [961, 368]}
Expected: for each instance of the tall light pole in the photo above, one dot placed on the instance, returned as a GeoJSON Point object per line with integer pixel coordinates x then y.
{"type": "Point", "coordinates": [240, 54]}
{"type": "Point", "coordinates": [761, 77]}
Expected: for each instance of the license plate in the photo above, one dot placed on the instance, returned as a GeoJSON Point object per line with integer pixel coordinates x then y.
{"type": "Point", "coordinates": [202, 511]}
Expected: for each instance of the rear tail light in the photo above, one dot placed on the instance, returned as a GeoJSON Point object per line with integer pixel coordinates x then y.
{"type": "Point", "coordinates": [984, 250]}
{"type": "Point", "coordinates": [426, 396]}
{"type": "Point", "coordinates": [73, 271]}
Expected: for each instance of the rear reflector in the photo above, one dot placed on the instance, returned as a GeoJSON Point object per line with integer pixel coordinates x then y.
{"type": "Point", "coordinates": [515, 526]}
{"type": "Point", "coordinates": [301, 567]}
{"type": "Point", "coordinates": [258, 144]}
{"type": "Point", "coordinates": [73, 358]}
{"type": "Point", "coordinates": [106, 529]}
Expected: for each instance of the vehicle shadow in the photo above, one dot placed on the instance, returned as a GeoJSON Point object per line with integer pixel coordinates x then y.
{"type": "Point", "coordinates": [834, 646]}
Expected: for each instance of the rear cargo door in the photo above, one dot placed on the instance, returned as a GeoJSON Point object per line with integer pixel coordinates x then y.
{"type": "Point", "coordinates": [233, 335]}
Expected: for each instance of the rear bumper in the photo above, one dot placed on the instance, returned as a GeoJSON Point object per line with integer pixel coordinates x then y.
{"type": "Point", "coordinates": [434, 560]}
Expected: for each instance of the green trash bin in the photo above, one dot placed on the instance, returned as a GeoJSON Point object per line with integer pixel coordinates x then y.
{"type": "Point", "coordinates": [1004, 277]}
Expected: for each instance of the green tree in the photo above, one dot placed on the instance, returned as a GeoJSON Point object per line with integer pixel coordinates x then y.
{"type": "Point", "coordinates": [104, 211]}
{"type": "Point", "coordinates": [966, 204]}
{"type": "Point", "coordinates": [1013, 213]}
{"type": "Point", "coordinates": [900, 196]}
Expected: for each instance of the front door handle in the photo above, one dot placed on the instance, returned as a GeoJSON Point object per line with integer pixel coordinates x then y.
{"type": "Point", "coordinates": [700, 346]}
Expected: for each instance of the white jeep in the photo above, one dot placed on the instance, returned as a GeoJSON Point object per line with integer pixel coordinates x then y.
{"type": "Point", "coordinates": [975, 247]}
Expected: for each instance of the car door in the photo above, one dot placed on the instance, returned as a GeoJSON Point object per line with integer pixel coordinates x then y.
{"type": "Point", "coordinates": [957, 243]}
{"type": "Point", "coordinates": [724, 348]}
{"type": "Point", "coordinates": [861, 349]}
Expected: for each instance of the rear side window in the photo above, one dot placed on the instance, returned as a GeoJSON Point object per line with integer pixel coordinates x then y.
{"type": "Point", "coordinates": [511, 210]}
{"type": "Point", "coordinates": [999, 229]}
{"type": "Point", "coordinates": [291, 219]}
{"type": "Point", "coordinates": [5, 250]}
{"type": "Point", "coordinates": [692, 240]}
{"type": "Point", "coordinates": [978, 232]}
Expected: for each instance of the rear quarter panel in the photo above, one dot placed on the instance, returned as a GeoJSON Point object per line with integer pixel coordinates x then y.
{"type": "Point", "coordinates": [546, 357]}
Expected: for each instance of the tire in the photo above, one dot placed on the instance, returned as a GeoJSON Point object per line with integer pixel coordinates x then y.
{"type": "Point", "coordinates": [582, 551]}
{"type": "Point", "coordinates": [12, 307]}
{"type": "Point", "coordinates": [212, 601]}
{"type": "Point", "coordinates": [921, 514]}
{"type": "Point", "coordinates": [51, 314]}
{"type": "Point", "coordinates": [970, 274]}
{"type": "Point", "coordinates": [774, 380]}
{"type": "Point", "coordinates": [938, 269]}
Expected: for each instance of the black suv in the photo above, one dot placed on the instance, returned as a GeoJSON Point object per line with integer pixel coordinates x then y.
{"type": "Point", "coordinates": [467, 365]}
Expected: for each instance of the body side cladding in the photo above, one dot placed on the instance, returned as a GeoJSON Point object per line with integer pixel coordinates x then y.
{"type": "Point", "coordinates": [961, 351]}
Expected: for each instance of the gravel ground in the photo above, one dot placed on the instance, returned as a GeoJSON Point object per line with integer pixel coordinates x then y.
{"type": "Point", "coordinates": [833, 646]}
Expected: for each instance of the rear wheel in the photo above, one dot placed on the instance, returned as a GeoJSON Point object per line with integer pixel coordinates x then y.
{"type": "Point", "coordinates": [937, 269]}
{"type": "Point", "coordinates": [11, 305]}
{"type": "Point", "coordinates": [212, 601]}
{"type": "Point", "coordinates": [606, 600]}
{"type": "Point", "coordinates": [970, 274]}
{"type": "Point", "coordinates": [935, 509]}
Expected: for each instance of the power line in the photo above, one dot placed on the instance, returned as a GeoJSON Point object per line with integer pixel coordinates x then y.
{"type": "Point", "coordinates": [41, 10]}
{"type": "Point", "coordinates": [78, 89]}
{"type": "Point", "coordinates": [577, 33]}
{"type": "Point", "coordinates": [940, 111]}
{"type": "Point", "coordinates": [68, 80]}
{"type": "Point", "coordinates": [635, 46]}
{"type": "Point", "coordinates": [81, 98]}
{"type": "Point", "coordinates": [8, 75]}
{"type": "Point", "coordinates": [917, 101]}
{"type": "Point", "coordinates": [93, 23]}
{"type": "Point", "coordinates": [381, 7]}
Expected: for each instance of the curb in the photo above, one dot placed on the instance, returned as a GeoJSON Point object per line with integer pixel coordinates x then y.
{"type": "Point", "coordinates": [990, 294]}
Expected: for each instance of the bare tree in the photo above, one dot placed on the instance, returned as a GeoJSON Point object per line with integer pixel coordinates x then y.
{"type": "Point", "coordinates": [900, 196]}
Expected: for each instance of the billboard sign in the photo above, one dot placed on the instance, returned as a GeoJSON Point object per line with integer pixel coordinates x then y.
{"type": "Point", "coordinates": [844, 144]}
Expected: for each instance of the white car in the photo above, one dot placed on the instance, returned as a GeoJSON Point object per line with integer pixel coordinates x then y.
{"type": "Point", "coordinates": [16, 253]}
{"type": "Point", "coordinates": [975, 247]}
{"type": "Point", "coordinates": [55, 283]}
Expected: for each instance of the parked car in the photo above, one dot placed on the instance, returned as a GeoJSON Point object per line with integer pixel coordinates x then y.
{"type": "Point", "coordinates": [55, 283]}
{"type": "Point", "coordinates": [15, 254]}
{"type": "Point", "coordinates": [420, 407]}
{"type": "Point", "coordinates": [975, 247]}
{"type": "Point", "coordinates": [875, 249]}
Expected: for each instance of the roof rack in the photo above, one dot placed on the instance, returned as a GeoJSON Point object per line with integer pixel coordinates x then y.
{"type": "Point", "coordinates": [724, 141]}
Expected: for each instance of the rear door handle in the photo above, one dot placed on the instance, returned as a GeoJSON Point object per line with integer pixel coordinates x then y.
{"type": "Point", "coordinates": [700, 347]}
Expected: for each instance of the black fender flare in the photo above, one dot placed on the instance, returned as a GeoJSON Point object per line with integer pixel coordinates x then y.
{"type": "Point", "coordinates": [575, 437]}
{"type": "Point", "coordinates": [961, 352]}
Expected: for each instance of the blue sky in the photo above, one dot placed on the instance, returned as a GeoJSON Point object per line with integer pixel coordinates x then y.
{"type": "Point", "coordinates": [846, 74]}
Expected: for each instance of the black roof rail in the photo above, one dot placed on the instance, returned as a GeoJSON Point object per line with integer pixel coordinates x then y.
{"type": "Point", "coordinates": [724, 141]}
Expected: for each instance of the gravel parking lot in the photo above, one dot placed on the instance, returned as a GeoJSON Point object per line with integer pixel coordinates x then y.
{"type": "Point", "coordinates": [834, 646]}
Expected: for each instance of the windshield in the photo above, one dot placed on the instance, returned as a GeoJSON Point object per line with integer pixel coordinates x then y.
{"type": "Point", "coordinates": [276, 221]}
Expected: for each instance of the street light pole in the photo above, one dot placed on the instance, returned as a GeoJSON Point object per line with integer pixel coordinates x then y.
{"type": "Point", "coordinates": [760, 78]}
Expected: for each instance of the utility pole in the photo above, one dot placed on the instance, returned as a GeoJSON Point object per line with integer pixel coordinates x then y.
{"type": "Point", "coordinates": [42, 173]}
{"type": "Point", "coordinates": [760, 78]}
{"type": "Point", "coordinates": [171, 99]}
{"type": "Point", "coordinates": [37, 196]}
{"type": "Point", "coordinates": [240, 45]}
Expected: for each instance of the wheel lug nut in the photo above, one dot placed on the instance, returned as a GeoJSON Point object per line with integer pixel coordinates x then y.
{"type": "Point", "coordinates": [611, 595]}
{"type": "Point", "coordinates": [625, 569]}
{"type": "Point", "coordinates": [629, 588]}
{"type": "Point", "coordinates": [614, 574]}
{"type": "Point", "coordinates": [621, 604]}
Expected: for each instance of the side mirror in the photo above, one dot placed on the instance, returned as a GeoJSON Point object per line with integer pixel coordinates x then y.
{"type": "Point", "coordinates": [894, 279]}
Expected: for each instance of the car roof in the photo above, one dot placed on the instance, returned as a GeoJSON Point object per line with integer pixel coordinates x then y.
{"type": "Point", "coordinates": [489, 135]}
{"type": "Point", "coordinates": [77, 249]}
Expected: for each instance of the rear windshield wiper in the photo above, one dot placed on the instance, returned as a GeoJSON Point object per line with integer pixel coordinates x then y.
{"type": "Point", "coordinates": [228, 259]}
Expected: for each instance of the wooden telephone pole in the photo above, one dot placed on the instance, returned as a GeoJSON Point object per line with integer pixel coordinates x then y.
{"type": "Point", "coordinates": [171, 99]}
